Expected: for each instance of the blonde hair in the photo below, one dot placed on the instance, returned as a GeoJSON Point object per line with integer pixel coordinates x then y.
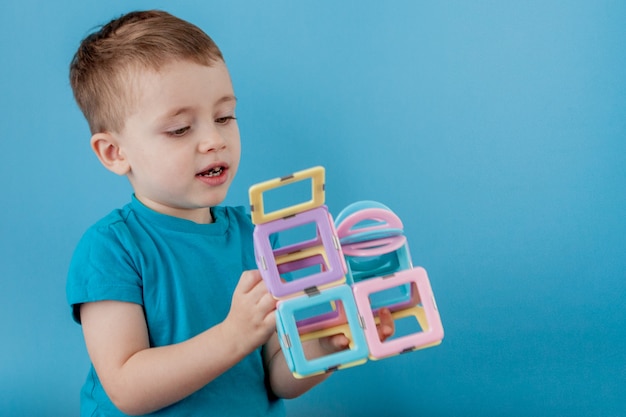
{"type": "Point", "coordinates": [102, 68]}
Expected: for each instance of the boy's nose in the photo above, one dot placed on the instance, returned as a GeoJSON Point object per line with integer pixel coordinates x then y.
{"type": "Point", "coordinates": [212, 141]}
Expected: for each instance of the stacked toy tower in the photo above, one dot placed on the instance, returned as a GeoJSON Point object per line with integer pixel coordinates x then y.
{"type": "Point", "coordinates": [337, 281]}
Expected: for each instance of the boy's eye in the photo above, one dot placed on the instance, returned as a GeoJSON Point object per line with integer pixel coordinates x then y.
{"type": "Point", "coordinates": [224, 120]}
{"type": "Point", "coordinates": [178, 132]}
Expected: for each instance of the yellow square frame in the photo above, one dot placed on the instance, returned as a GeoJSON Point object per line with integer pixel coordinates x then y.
{"type": "Point", "coordinates": [257, 209]}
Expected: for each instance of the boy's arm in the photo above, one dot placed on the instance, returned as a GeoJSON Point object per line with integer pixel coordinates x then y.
{"type": "Point", "coordinates": [140, 379]}
{"type": "Point", "coordinates": [282, 381]}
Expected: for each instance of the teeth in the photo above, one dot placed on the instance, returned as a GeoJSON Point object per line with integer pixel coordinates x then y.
{"type": "Point", "coordinates": [214, 172]}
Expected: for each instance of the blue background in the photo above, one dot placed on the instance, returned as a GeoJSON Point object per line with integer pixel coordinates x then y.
{"type": "Point", "coordinates": [496, 130]}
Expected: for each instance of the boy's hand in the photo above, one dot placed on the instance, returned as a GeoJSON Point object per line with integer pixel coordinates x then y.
{"type": "Point", "coordinates": [339, 342]}
{"type": "Point", "coordinates": [251, 317]}
{"type": "Point", "coordinates": [386, 327]}
{"type": "Point", "coordinates": [283, 383]}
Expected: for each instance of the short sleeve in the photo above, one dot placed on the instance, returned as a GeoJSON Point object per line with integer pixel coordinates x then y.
{"type": "Point", "coordinates": [103, 267]}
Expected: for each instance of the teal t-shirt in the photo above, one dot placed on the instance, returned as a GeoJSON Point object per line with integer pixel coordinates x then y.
{"type": "Point", "coordinates": [184, 275]}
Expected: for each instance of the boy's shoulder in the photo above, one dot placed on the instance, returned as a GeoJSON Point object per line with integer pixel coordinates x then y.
{"type": "Point", "coordinates": [115, 218]}
{"type": "Point", "coordinates": [117, 215]}
{"type": "Point", "coordinates": [107, 230]}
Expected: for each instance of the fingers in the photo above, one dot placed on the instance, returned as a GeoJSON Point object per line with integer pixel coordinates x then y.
{"type": "Point", "coordinates": [386, 327]}
{"type": "Point", "coordinates": [334, 343]}
{"type": "Point", "coordinates": [340, 342]}
{"type": "Point", "coordinates": [252, 291]}
{"type": "Point", "coordinates": [249, 280]}
{"type": "Point", "coordinates": [252, 309]}
{"type": "Point", "coordinates": [251, 284]}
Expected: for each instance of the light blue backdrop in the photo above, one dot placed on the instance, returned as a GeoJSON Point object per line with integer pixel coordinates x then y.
{"type": "Point", "coordinates": [495, 129]}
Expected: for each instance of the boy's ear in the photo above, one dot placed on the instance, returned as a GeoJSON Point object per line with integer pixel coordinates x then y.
{"type": "Point", "coordinates": [107, 150]}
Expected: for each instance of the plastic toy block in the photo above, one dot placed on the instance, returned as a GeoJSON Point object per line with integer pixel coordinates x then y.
{"type": "Point", "coordinates": [257, 207]}
{"type": "Point", "coordinates": [323, 320]}
{"type": "Point", "coordinates": [323, 250]}
{"type": "Point", "coordinates": [301, 259]}
{"type": "Point", "coordinates": [366, 221]}
{"type": "Point", "coordinates": [310, 262]}
{"type": "Point", "coordinates": [365, 248]}
{"type": "Point", "coordinates": [373, 245]}
{"type": "Point", "coordinates": [358, 206]}
{"type": "Point", "coordinates": [372, 240]}
{"type": "Point", "coordinates": [423, 309]}
{"type": "Point", "coordinates": [291, 338]}
{"type": "Point", "coordinates": [377, 258]}
{"type": "Point", "coordinates": [419, 314]}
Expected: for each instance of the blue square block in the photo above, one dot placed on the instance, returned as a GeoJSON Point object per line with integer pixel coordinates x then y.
{"type": "Point", "coordinates": [291, 340]}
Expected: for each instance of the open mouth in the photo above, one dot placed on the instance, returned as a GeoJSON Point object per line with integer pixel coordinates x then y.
{"type": "Point", "coordinates": [213, 172]}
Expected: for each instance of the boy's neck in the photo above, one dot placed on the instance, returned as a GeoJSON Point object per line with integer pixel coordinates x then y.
{"type": "Point", "coordinates": [199, 215]}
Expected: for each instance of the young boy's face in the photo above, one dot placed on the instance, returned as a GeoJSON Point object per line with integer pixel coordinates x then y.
{"type": "Point", "coordinates": [181, 142]}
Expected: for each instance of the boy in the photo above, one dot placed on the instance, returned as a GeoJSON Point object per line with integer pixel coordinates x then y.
{"type": "Point", "coordinates": [175, 318]}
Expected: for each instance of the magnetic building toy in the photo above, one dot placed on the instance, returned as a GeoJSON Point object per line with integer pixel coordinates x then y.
{"type": "Point", "coordinates": [337, 281]}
